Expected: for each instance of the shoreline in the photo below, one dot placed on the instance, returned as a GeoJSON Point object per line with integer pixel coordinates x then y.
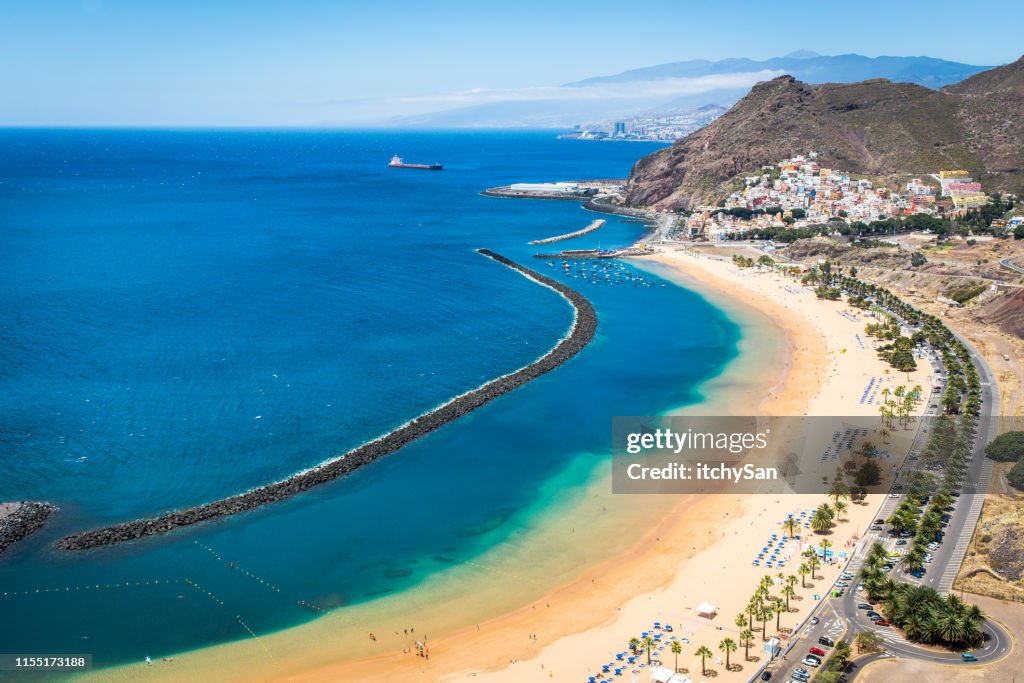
{"type": "Point", "coordinates": [583, 504]}
{"type": "Point", "coordinates": [581, 332]}
{"type": "Point", "coordinates": [651, 564]}
{"type": "Point", "coordinates": [589, 618]}
{"type": "Point", "coordinates": [592, 612]}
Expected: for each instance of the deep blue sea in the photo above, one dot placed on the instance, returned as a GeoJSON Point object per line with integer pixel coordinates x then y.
{"type": "Point", "coordinates": [186, 314]}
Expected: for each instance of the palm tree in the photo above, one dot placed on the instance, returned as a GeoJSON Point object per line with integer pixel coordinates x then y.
{"type": "Point", "coordinates": [676, 648]}
{"type": "Point", "coordinates": [747, 638]}
{"type": "Point", "coordinates": [763, 615]}
{"type": "Point", "coordinates": [812, 559]}
{"type": "Point", "coordinates": [825, 545]}
{"type": "Point", "coordinates": [877, 555]}
{"type": "Point", "coordinates": [951, 628]}
{"type": "Point", "coordinates": [791, 525]}
{"type": "Point", "coordinates": [740, 621]}
{"type": "Point", "coordinates": [727, 646]}
{"type": "Point", "coordinates": [649, 646]}
{"type": "Point", "coordinates": [840, 507]}
{"type": "Point", "coordinates": [868, 640]}
{"type": "Point", "coordinates": [703, 652]}
{"type": "Point", "coordinates": [789, 592]}
{"type": "Point", "coordinates": [803, 570]}
{"type": "Point", "coordinates": [838, 491]}
{"type": "Point", "coordinates": [634, 643]}
{"type": "Point", "coordinates": [821, 520]}
{"type": "Point", "coordinates": [777, 607]}
{"type": "Point", "coordinates": [752, 607]}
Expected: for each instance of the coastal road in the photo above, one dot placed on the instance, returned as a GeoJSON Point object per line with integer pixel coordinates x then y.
{"type": "Point", "coordinates": [840, 617]}
{"type": "Point", "coordinates": [1010, 265]}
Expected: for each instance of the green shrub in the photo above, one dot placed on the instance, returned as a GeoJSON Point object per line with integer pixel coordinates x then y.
{"type": "Point", "coordinates": [1016, 476]}
{"type": "Point", "coordinates": [1007, 447]}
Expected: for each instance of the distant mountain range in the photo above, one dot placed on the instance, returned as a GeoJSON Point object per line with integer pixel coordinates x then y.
{"type": "Point", "coordinates": [873, 127]}
{"type": "Point", "coordinates": [678, 87]}
{"type": "Point", "coordinates": [808, 67]}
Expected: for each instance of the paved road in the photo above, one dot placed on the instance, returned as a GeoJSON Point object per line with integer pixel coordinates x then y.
{"type": "Point", "coordinates": [1010, 265]}
{"type": "Point", "coordinates": [840, 617]}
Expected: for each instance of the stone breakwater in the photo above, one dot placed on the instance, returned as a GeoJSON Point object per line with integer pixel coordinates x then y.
{"type": "Point", "coordinates": [584, 325]}
{"type": "Point", "coordinates": [20, 520]}
{"type": "Point", "coordinates": [594, 225]}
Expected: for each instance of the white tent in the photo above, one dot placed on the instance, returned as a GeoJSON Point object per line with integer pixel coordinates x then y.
{"type": "Point", "coordinates": [706, 609]}
{"type": "Point", "coordinates": [663, 674]}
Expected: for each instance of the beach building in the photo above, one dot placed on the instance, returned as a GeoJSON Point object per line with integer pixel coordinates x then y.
{"type": "Point", "coordinates": [563, 188]}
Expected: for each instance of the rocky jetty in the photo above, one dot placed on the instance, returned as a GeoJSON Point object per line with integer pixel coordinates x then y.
{"type": "Point", "coordinates": [582, 332]}
{"type": "Point", "coordinates": [18, 520]}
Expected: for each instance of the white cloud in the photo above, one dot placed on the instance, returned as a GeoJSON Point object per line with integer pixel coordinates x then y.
{"type": "Point", "coordinates": [636, 90]}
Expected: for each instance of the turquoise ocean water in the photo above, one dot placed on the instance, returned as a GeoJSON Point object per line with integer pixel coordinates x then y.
{"type": "Point", "coordinates": [186, 314]}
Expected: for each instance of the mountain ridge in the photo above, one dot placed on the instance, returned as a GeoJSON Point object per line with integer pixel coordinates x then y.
{"type": "Point", "coordinates": [873, 127]}
{"type": "Point", "coordinates": [809, 67]}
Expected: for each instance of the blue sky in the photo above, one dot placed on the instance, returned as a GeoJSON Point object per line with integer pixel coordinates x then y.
{"type": "Point", "coordinates": [155, 62]}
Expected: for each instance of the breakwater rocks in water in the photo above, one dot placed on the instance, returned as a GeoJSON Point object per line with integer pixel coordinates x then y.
{"type": "Point", "coordinates": [581, 333]}
{"type": "Point", "coordinates": [18, 520]}
{"type": "Point", "coordinates": [594, 225]}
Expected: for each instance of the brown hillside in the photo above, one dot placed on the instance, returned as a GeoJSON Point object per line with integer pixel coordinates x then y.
{"type": "Point", "coordinates": [873, 127]}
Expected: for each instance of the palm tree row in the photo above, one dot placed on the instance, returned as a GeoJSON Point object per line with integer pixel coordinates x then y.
{"type": "Point", "coordinates": [962, 375]}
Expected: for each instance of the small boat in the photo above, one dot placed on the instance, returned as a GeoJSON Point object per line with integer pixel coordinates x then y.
{"type": "Point", "coordinates": [396, 162]}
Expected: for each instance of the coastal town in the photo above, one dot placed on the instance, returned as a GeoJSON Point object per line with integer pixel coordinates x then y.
{"type": "Point", "coordinates": [667, 127]}
{"type": "Point", "coordinates": [799, 192]}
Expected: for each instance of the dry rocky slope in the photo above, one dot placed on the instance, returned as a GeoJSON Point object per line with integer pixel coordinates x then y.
{"type": "Point", "coordinates": [875, 128]}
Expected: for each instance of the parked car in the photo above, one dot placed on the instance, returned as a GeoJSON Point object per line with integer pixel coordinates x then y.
{"type": "Point", "coordinates": [864, 605]}
{"type": "Point", "coordinates": [902, 541]}
{"type": "Point", "coordinates": [817, 651]}
{"type": "Point", "coordinates": [827, 642]}
{"type": "Point", "coordinates": [881, 622]}
{"type": "Point", "coordinates": [815, 621]}
{"type": "Point", "coordinates": [811, 661]}
{"type": "Point", "coordinates": [876, 527]}
{"type": "Point", "coordinates": [766, 676]}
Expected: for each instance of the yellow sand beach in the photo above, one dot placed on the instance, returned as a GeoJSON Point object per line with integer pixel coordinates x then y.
{"type": "Point", "coordinates": [693, 549]}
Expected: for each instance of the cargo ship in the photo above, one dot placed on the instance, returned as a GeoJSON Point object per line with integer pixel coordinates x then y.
{"type": "Point", "coordinates": [396, 162]}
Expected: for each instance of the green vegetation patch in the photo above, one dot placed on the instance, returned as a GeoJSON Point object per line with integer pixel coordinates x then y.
{"type": "Point", "coordinates": [1007, 447]}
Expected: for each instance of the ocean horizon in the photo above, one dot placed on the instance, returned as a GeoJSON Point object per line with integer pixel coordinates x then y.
{"type": "Point", "coordinates": [191, 313]}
